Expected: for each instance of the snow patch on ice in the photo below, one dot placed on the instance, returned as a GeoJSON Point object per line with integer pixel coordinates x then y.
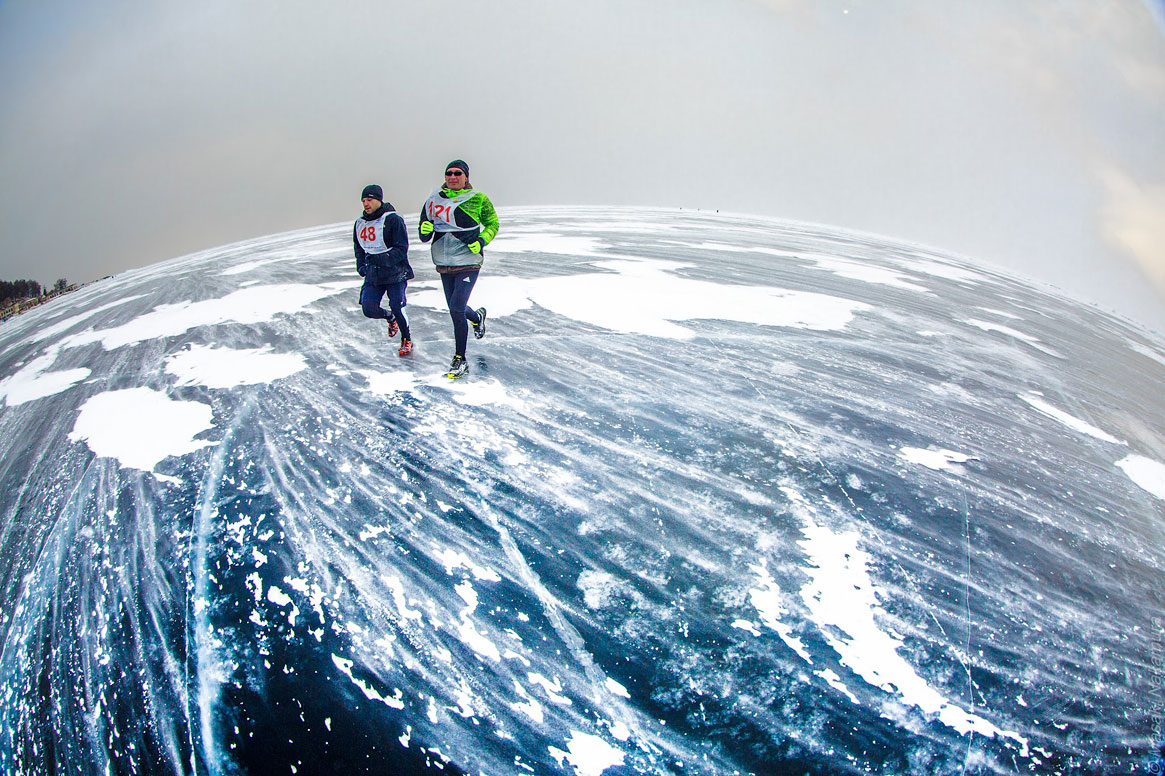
{"type": "Point", "coordinates": [398, 597]}
{"type": "Point", "coordinates": [471, 392]}
{"type": "Point", "coordinates": [769, 604]}
{"type": "Point", "coordinates": [590, 755]}
{"type": "Point", "coordinates": [388, 383]}
{"type": "Point", "coordinates": [396, 701]}
{"type": "Point", "coordinates": [452, 559]}
{"type": "Point", "coordinates": [1146, 473]}
{"type": "Point", "coordinates": [529, 705]}
{"type": "Point", "coordinates": [842, 600]}
{"type": "Point", "coordinates": [468, 632]}
{"type": "Point", "coordinates": [468, 595]}
{"type": "Point", "coordinates": [140, 426]}
{"type": "Point", "coordinates": [282, 600]}
{"type": "Point", "coordinates": [620, 731]}
{"type": "Point", "coordinates": [616, 688]}
{"type": "Point", "coordinates": [1010, 332]}
{"type": "Point", "coordinates": [479, 393]}
{"type": "Point", "coordinates": [506, 295]}
{"type": "Point", "coordinates": [940, 460]}
{"type": "Point", "coordinates": [643, 296]}
{"type": "Point", "coordinates": [34, 381]}
{"type": "Point", "coordinates": [746, 625]}
{"type": "Point", "coordinates": [249, 305]}
{"type": "Point", "coordinates": [1071, 422]}
{"type": "Point", "coordinates": [833, 680]}
{"type": "Point", "coordinates": [227, 368]}
{"type": "Point", "coordinates": [466, 629]}
{"type": "Point", "coordinates": [866, 273]}
{"type": "Point", "coordinates": [553, 689]}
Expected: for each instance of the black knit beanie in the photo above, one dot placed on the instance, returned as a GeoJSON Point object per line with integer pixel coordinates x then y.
{"type": "Point", "coordinates": [375, 192]}
{"type": "Point", "coordinates": [458, 164]}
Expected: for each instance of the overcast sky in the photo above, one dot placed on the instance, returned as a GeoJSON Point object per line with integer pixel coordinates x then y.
{"type": "Point", "coordinates": [1028, 135]}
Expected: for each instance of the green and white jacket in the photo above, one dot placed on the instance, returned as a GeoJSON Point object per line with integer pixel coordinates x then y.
{"type": "Point", "coordinates": [458, 218]}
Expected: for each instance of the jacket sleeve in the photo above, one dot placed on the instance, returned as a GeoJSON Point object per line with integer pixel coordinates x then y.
{"type": "Point", "coordinates": [489, 221]}
{"type": "Point", "coordinates": [425, 218]}
{"type": "Point", "coordinates": [398, 240]}
{"type": "Point", "coordinates": [361, 256]}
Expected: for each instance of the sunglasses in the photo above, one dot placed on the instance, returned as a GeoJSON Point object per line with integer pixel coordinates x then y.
{"type": "Point", "coordinates": [455, 173]}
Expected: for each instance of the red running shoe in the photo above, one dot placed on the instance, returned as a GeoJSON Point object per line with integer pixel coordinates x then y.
{"type": "Point", "coordinates": [392, 328]}
{"type": "Point", "coordinates": [406, 347]}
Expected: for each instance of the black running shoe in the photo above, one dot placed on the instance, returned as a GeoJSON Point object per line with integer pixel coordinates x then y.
{"type": "Point", "coordinates": [479, 328]}
{"type": "Point", "coordinates": [459, 368]}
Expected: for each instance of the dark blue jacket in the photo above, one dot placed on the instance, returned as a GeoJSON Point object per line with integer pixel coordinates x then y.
{"type": "Point", "coordinates": [385, 269]}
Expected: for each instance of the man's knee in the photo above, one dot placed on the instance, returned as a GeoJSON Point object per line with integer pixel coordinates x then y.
{"type": "Point", "coordinates": [371, 309]}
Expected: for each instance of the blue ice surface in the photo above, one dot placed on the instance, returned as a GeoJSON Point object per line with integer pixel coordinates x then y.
{"type": "Point", "coordinates": [720, 495]}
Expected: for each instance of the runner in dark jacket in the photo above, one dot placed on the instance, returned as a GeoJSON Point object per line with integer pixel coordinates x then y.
{"type": "Point", "coordinates": [381, 241]}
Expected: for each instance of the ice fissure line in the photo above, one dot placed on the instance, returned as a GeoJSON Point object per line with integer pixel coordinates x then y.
{"type": "Point", "coordinates": [570, 637]}
{"type": "Point", "coordinates": [208, 680]}
{"type": "Point", "coordinates": [967, 614]}
{"type": "Point", "coordinates": [30, 585]}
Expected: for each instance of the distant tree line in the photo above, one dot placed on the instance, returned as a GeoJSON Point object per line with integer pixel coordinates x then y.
{"type": "Point", "coordinates": [11, 290]}
{"type": "Point", "coordinates": [14, 290]}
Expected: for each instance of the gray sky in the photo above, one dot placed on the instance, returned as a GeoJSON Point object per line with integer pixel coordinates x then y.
{"type": "Point", "coordinates": [1028, 135]}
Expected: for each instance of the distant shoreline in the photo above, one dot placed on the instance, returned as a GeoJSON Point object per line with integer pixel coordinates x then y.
{"type": "Point", "coordinates": [15, 309]}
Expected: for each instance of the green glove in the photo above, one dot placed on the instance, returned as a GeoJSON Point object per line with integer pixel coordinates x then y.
{"type": "Point", "coordinates": [426, 227]}
{"type": "Point", "coordinates": [475, 246]}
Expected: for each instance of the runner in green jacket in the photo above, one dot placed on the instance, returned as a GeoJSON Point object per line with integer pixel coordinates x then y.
{"type": "Point", "coordinates": [460, 221]}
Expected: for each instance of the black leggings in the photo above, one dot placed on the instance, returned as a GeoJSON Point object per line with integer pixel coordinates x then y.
{"type": "Point", "coordinates": [370, 296]}
{"type": "Point", "coordinates": [458, 287]}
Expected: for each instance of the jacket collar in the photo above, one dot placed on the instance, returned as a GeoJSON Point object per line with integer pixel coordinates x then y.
{"type": "Point", "coordinates": [375, 214]}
